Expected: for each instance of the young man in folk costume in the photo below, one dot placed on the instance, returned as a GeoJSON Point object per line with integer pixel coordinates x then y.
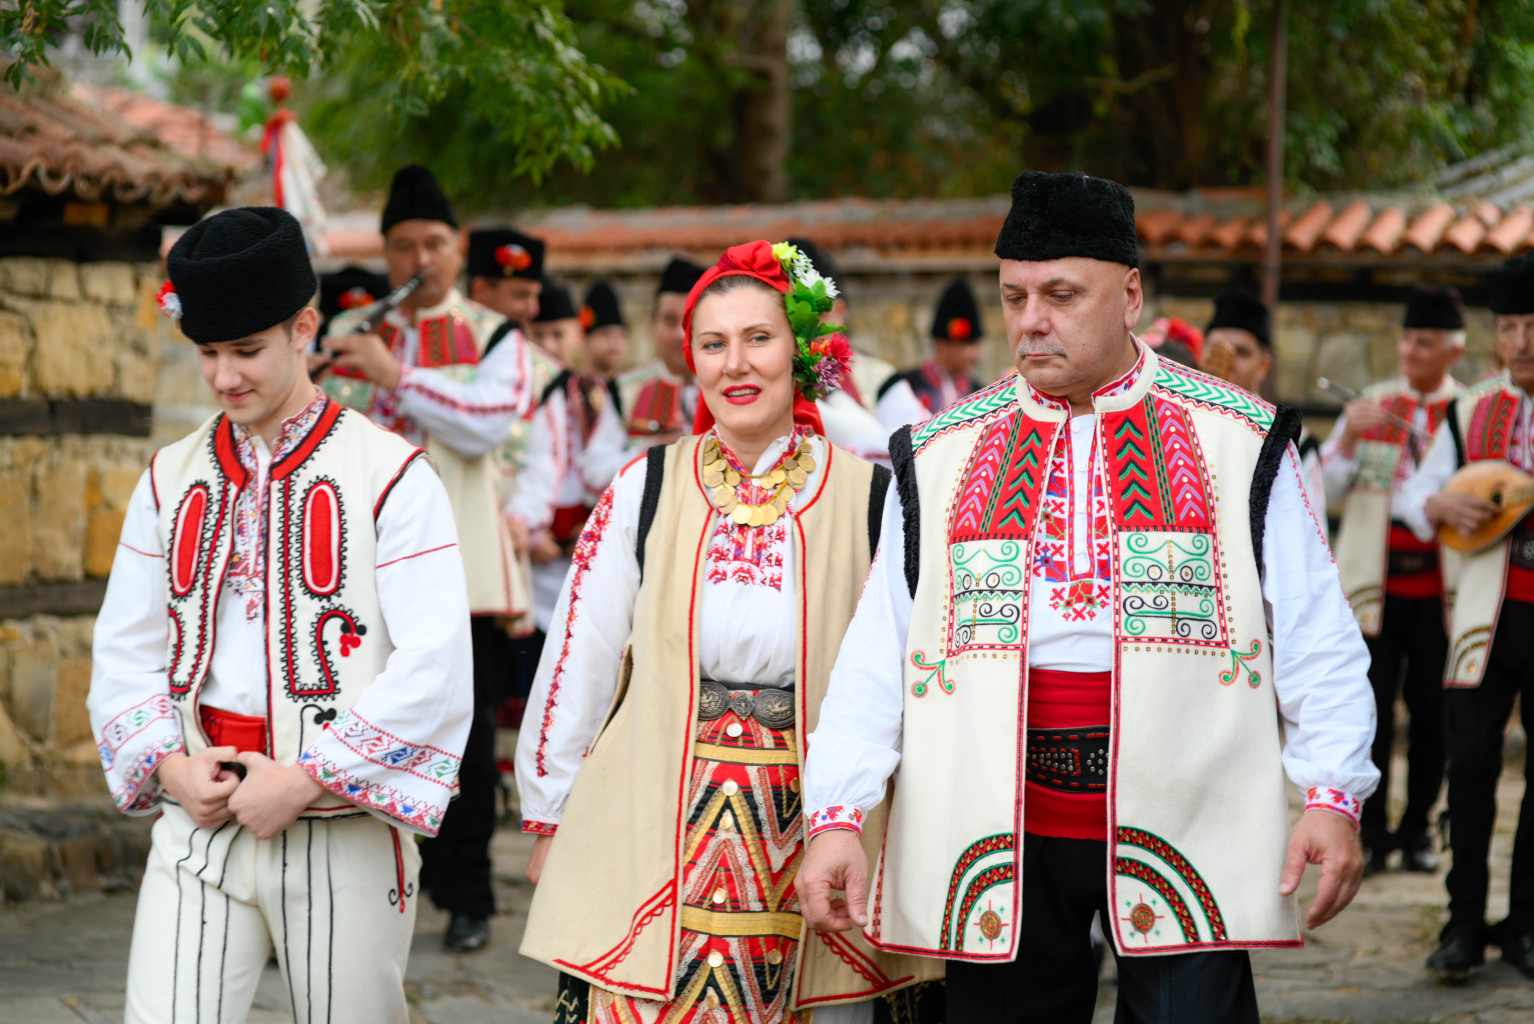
{"type": "Point", "coordinates": [281, 664]}
{"type": "Point", "coordinates": [350, 287]}
{"type": "Point", "coordinates": [1391, 578]}
{"type": "Point", "coordinates": [607, 333]}
{"type": "Point", "coordinates": [912, 395]}
{"type": "Point", "coordinates": [1238, 347]}
{"type": "Point", "coordinates": [446, 373]}
{"type": "Point", "coordinates": [693, 640]}
{"type": "Point", "coordinates": [1065, 645]}
{"type": "Point", "coordinates": [1491, 631]}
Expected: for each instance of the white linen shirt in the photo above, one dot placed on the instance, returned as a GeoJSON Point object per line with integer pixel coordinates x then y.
{"type": "Point", "coordinates": [1320, 663]}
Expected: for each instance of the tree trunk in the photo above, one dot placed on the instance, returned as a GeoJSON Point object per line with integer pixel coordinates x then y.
{"type": "Point", "coordinates": [762, 106]}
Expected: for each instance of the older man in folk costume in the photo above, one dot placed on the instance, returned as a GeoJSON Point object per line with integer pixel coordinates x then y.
{"type": "Point", "coordinates": [445, 373]}
{"type": "Point", "coordinates": [1102, 625]}
{"type": "Point", "coordinates": [281, 664]}
{"type": "Point", "coordinates": [912, 395]}
{"type": "Point", "coordinates": [1391, 577]}
{"type": "Point", "coordinates": [1491, 631]}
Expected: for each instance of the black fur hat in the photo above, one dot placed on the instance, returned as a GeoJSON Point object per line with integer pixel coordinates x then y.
{"type": "Point", "coordinates": [1244, 311]}
{"type": "Point", "coordinates": [602, 308]}
{"type": "Point", "coordinates": [1432, 306]}
{"type": "Point", "coordinates": [554, 303]}
{"type": "Point", "coordinates": [496, 253]}
{"type": "Point", "coordinates": [957, 316]}
{"type": "Point", "coordinates": [1512, 287]}
{"type": "Point", "coordinates": [679, 276]}
{"type": "Point", "coordinates": [415, 195]}
{"type": "Point", "coordinates": [349, 288]}
{"type": "Point", "coordinates": [821, 261]}
{"type": "Point", "coordinates": [1058, 215]}
{"type": "Point", "coordinates": [237, 273]}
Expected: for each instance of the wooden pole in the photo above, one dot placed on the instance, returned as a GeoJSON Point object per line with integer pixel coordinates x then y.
{"type": "Point", "coordinates": [1272, 258]}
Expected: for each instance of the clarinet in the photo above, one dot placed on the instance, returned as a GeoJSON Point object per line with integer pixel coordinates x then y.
{"type": "Point", "coordinates": [371, 322]}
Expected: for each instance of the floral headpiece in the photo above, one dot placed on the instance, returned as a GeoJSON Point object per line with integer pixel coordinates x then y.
{"type": "Point", "coordinates": [823, 357]}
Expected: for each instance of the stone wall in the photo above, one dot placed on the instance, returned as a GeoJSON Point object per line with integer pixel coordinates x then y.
{"type": "Point", "coordinates": [72, 336]}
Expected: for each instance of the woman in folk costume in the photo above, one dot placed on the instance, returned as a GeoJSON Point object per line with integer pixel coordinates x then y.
{"type": "Point", "coordinates": [690, 650]}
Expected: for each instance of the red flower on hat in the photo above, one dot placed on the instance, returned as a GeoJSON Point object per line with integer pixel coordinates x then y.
{"type": "Point", "coordinates": [513, 257]}
{"type": "Point", "coordinates": [756, 259]}
{"type": "Point", "coordinates": [959, 329]}
{"type": "Point", "coordinates": [168, 301]}
{"type": "Point", "coordinates": [355, 298]}
{"type": "Point", "coordinates": [588, 317]}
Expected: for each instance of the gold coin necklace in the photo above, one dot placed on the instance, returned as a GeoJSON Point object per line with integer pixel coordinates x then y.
{"type": "Point", "coordinates": [785, 479]}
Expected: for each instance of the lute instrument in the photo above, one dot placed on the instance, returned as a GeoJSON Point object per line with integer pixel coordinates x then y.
{"type": "Point", "coordinates": [1502, 484]}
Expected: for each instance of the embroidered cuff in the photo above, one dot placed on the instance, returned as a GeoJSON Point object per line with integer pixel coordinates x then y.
{"type": "Point", "coordinates": [1335, 800]}
{"type": "Point", "coordinates": [829, 818]}
{"type": "Point", "coordinates": [408, 782]}
{"type": "Point", "coordinates": [539, 828]}
{"type": "Point", "coordinates": [132, 746]}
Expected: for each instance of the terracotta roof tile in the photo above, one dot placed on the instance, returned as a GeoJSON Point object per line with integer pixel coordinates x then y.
{"type": "Point", "coordinates": [1466, 233]}
{"type": "Point", "coordinates": [1194, 232]}
{"type": "Point", "coordinates": [1426, 231]}
{"type": "Point", "coordinates": [1305, 231]}
{"type": "Point", "coordinates": [1386, 231]}
{"type": "Point", "coordinates": [1343, 232]}
{"type": "Point", "coordinates": [1156, 227]}
{"type": "Point", "coordinates": [1230, 235]}
{"type": "Point", "coordinates": [65, 146]}
{"type": "Point", "coordinates": [1513, 232]}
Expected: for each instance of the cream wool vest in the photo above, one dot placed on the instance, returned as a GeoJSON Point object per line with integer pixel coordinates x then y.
{"type": "Point", "coordinates": [453, 336]}
{"type": "Point", "coordinates": [1197, 818]}
{"type": "Point", "coordinates": [1363, 540]}
{"type": "Point", "coordinates": [606, 907]}
{"type": "Point", "coordinates": [326, 637]}
{"type": "Point", "coordinates": [1481, 419]}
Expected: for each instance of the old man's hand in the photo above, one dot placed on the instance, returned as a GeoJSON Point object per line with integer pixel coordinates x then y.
{"type": "Point", "coordinates": [1330, 840]}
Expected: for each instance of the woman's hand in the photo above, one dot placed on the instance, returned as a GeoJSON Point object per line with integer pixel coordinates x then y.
{"type": "Point", "coordinates": [540, 854]}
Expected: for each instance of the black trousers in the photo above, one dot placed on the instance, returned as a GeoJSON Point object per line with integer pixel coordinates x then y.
{"type": "Point", "coordinates": [1054, 978]}
{"type": "Point", "coordinates": [1476, 719]}
{"type": "Point", "coordinates": [1407, 658]}
{"type": "Point", "coordinates": [455, 866]}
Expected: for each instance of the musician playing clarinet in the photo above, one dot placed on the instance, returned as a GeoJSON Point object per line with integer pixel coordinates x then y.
{"type": "Point", "coordinates": [1491, 631]}
{"type": "Point", "coordinates": [1392, 578]}
{"type": "Point", "coordinates": [451, 376]}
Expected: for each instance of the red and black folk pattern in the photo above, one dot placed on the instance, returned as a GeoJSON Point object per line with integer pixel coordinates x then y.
{"type": "Point", "coordinates": [447, 341]}
{"type": "Point", "coordinates": [1006, 841]}
{"type": "Point", "coordinates": [657, 409]}
{"type": "Point", "coordinates": [1491, 423]}
{"type": "Point", "coordinates": [739, 941]}
{"type": "Point", "coordinates": [1012, 453]}
{"type": "Point", "coordinates": [1142, 872]}
{"type": "Point", "coordinates": [1157, 470]}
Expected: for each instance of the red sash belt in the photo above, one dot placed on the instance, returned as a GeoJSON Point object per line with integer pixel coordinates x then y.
{"type": "Point", "coordinates": [1067, 702]}
{"type": "Point", "coordinates": [569, 521]}
{"type": "Point", "coordinates": [245, 733]}
{"type": "Point", "coordinates": [1422, 576]}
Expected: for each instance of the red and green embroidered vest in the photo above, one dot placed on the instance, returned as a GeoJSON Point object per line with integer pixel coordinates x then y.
{"type": "Point", "coordinates": [1363, 541]}
{"type": "Point", "coordinates": [326, 638]}
{"type": "Point", "coordinates": [1197, 813]}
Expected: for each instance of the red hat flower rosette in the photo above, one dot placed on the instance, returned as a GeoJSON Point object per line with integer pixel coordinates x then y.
{"type": "Point", "coordinates": [512, 258]}
{"type": "Point", "coordinates": [168, 301]}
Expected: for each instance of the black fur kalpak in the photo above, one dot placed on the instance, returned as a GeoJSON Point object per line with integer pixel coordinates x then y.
{"type": "Point", "coordinates": [499, 253]}
{"type": "Point", "coordinates": [957, 315]}
{"type": "Point", "coordinates": [903, 458]}
{"type": "Point", "coordinates": [679, 276]}
{"type": "Point", "coordinates": [1284, 432]}
{"type": "Point", "coordinates": [1512, 287]}
{"type": "Point", "coordinates": [1243, 311]}
{"type": "Point", "coordinates": [606, 311]}
{"type": "Point", "coordinates": [554, 303]}
{"type": "Point", "coordinates": [415, 195]}
{"type": "Point", "coordinates": [1435, 307]}
{"type": "Point", "coordinates": [239, 272]}
{"type": "Point", "coordinates": [1054, 216]}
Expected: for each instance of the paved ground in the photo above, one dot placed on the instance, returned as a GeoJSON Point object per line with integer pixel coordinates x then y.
{"type": "Point", "coordinates": [64, 962]}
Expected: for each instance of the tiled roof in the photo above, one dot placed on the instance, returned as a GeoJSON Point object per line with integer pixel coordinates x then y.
{"type": "Point", "coordinates": [186, 131]}
{"type": "Point", "coordinates": [67, 146]}
{"type": "Point", "coordinates": [1194, 226]}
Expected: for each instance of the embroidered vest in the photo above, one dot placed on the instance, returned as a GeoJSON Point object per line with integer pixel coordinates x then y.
{"type": "Point", "coordinates": [452, 336]}
{"type": "Point", "coordinates": [615, 921]}
{"type": "Point", "coordinates": [1475, 584]}
{"type": "Point", "coordinates": [1363, 540]}
{"type": "Point", "coordinates": [929, 390]}
{"type": "Point", "coordinates": [1197, 818]}
{"type": "Point", "coordinates": [326, 638]}
{"type": "Point", "coordinates": [651, 403]}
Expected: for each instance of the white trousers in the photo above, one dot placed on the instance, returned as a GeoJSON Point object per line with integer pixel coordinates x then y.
{"type": "Point", "coordinates": [334, 899]}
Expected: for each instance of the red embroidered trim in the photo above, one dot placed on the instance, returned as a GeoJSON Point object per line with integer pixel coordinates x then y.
{"type": "Point", "coordinates": [410, 383]}
{"type": "Point", "coordinates": [1335, 800]}
{"type": "Point", "coordinates": [418, 554]}
{"type": "Point", "coordinates": [136, 551]}
{"type": "Point", "coordinates": [538, 828]}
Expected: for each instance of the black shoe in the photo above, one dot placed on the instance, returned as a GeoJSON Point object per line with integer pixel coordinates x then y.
{"type": "Point", "coordinates": [1461, 948]}
{"type": "Point", "coordinates": [465, 933]}
{"type": "Point", "coordinates": [1518, 950]}
{"type": "Point", "coordinates": [1417, 853]}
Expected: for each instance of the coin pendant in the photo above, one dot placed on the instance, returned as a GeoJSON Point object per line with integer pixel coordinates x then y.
{"type": "Point", "coordinates": [796, 478]}
{"type": "Point", "coordinates": [769, 515]}
{"type": "Point", "coordinates": [806, 463]}
{"type": "Point", "coordinates": [712, 477]}
{"type": "Point", "coordinates": [742, 514]}
{"type": "Point", "coordinates": [722, 494]}
{"type": "Point", "coordinates": [731, 477]}
{"type": "Point", "coordinates": [756, 516]}
{"type": "Point", "coordinates": [776, 478]}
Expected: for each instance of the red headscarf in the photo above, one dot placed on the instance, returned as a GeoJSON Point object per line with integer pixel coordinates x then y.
{"type": "Point", "coordinates": [754, 259]}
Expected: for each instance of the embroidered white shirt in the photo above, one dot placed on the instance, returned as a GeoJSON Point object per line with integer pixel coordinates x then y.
{"type": "Point", "coordinates": [1320, 664]}
{"type": "Point", "coordinates": [1441, 461]}
{"type": "Point", "coordinates": [747, 631]}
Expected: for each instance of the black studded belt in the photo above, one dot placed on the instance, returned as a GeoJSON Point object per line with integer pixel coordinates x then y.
{"type": "Point", "coordinates": [770, 705]}
{"type": "Point", "coordinates": [1070, 760]}
{"type": "Point", "coordinates": [1410, 563]}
